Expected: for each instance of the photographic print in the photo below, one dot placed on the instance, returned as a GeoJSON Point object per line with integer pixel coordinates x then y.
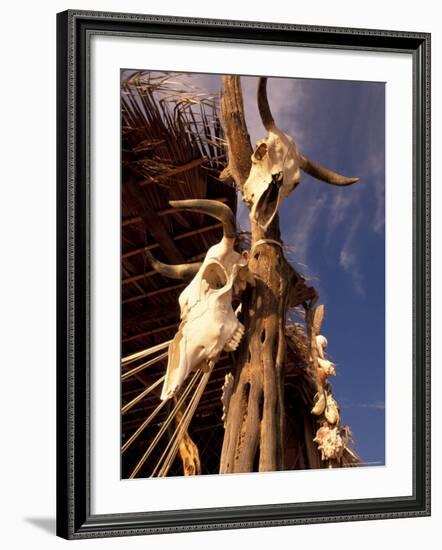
{"type": "Point", "coordinates": [243, 274]}
{"type": "Point", "coordinates": [252, 274]}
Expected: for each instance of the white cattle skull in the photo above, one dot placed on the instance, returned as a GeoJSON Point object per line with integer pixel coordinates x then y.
{"type": "Point", "coordinates": [276, 168]}
{"type": "Point", "coordinates": [208, 322]}
{"type": "Point", "coordinates": [275, 172]}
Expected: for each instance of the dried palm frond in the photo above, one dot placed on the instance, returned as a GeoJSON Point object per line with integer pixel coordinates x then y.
{"type": "Point", "coordinates": [182, 124]}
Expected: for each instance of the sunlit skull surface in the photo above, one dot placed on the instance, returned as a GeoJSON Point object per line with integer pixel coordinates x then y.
{"type": "Point", "coordinates": [208, 322]}
{"type": "Point", "coordinates": [275, 172]}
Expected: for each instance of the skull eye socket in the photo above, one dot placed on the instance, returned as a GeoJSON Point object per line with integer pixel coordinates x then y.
{"type": "Point", "coordinates": [260, 152]}
{"type": "Point", "coordinates": [214, 276]}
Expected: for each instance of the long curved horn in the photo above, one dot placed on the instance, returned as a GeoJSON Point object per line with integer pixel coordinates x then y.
{"type": "Point", "coordinates": [263, 104]}
{"type": "Point", "coordinates": [324, 174]}
{"type": "Point", "coordinates": [179, 271]}
{"type": "Point", "coordinates": [212, 208]}
{"type": "Point", "coordinates": [308, 166]}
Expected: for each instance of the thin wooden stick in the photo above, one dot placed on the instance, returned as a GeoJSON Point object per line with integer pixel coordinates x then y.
{"type": "Point", "coordinates": [182, 427]}
{"type": "Point", "coordinates": [143, 394]}
{"type": "Point", "coordinates": [165, 425]}
{"type": "Point", "coordinates": [149, 332]}
{"type": "Point", "coordinates": [187, 417]}
{"type": "Point", "coordinates": [143, 366]}
{"type": "Point", "coordinates": [177, 428]}
{"type": "Point", "coordinates": [148, 420]}
{"type": "Point", "coordinates": [144, 353]}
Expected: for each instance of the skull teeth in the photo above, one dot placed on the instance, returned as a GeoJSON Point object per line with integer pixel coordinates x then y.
{"type": "Point", "coordinates": [233, 342]}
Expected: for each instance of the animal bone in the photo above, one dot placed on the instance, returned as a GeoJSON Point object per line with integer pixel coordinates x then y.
{"type": "Point", "coordinates": [329, 442]}
{"type": "Point", "coordinates": [276, 168]}
{"type": "Point", "coordinates": [331, 412]}
{"type": "Point", "coordinates": [321, 345]}
{"type": "Point", "coordinates": [314, 318]}
{"type": "Point", "coordinates": [274, 174]}
{"type": "Point", "coordinates": [319, 404]}
{"type": "Point", "coordinates": [183, 271]}
{"type": "Point", "coordinates": [208, 322]}
{"type": "Point", "coordinates": [324, 402]}
{"type": "Point", "coordinates": [226, 395]}
{"type": "Point", "coordinates": [326, 368]}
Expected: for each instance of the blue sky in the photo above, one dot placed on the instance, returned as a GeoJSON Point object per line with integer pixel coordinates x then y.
{"type": "Point", "coordinates": [335, 236]}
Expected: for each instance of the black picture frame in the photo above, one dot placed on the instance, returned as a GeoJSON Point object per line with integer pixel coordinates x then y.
{"type": "Point", "coordinates": [74, 518]}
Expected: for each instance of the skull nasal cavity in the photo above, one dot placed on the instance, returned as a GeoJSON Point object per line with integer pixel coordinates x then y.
{"type": "Point", "coordinates": [261, 151]}
{"type": "Point", "coordinates": [215, 276]}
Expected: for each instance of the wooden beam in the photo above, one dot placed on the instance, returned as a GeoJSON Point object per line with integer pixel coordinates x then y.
{"type": "Point", "coordinates": [135, 278]}
{"type": "Point", "coordinates": [176, 238]}
{"type": "Point", "coordinates": [149, 332]}
{"type": "Point", "coordinates": [153, 293]}
{"type": "Point", "coordinates": [127, 269]}
{"type": "Point", "coordinates": [152, 314]}
{"type": "Point", "coordinates": [153, 222]}
{"type": "Point", "coordinates": [198, 231]}
{"type": "Point", "coordinates": [206, 427]}
{"type": "Point", "coordinates": [211, 403]}
{"type": "Point", "coordinates": [133, 220]}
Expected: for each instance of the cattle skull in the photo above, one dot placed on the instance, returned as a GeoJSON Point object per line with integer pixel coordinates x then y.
{"type": "Point", "coordinates": [208, 323]}
{"type": "Point", "coordinates": [276, 168]}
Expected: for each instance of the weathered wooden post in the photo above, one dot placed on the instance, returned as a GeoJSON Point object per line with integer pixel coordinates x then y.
{"type": "Point", "coordinates": [254, 426]}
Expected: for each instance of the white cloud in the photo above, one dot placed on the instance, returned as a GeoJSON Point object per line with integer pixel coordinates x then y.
{"type": "Point", "coordinates": [339, 208]}
{"type": "Point", "coordinates": [377, 405]}
{"type": "Point", "coordinates": [301, 233]}
{"type": "Point", "coordinates": [348, 259]}
{"type": "Point", "coordinates": [375, 170]}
